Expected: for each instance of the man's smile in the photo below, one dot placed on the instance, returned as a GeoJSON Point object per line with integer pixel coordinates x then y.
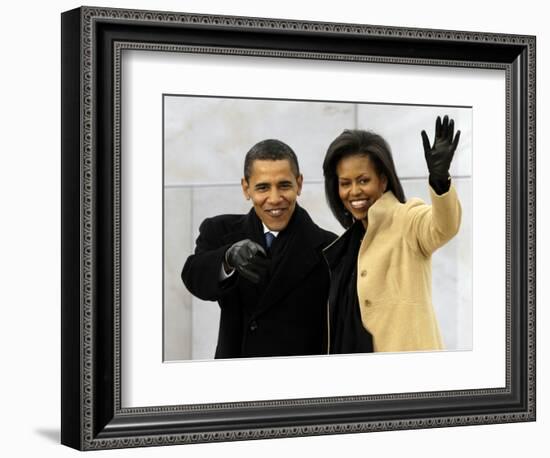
{"type": "Point", "coordinates": [275, 212]}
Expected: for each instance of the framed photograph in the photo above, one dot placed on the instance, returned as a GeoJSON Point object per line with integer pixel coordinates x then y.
{"type": "Point", "coordinates": [159, 110]}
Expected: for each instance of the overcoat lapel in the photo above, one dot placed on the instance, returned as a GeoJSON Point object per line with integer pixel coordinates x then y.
{"type": "Point", "coordinates": [289, 266]}
{"type": "Point", "coordinates": [378, 217]}
{"type": "Point", "coordinates": [294, 262]}
{"type": "Point", "coordinates": [250, 227]}
{"type": "Point", "coordinates": [247, 227]}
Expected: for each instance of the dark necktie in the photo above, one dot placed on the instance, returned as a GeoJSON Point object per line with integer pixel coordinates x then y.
{"type": "Point", "coordinates": [269, 237]}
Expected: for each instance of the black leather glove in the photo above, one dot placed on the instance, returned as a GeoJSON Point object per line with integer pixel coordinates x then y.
{"type": "Point", "coordinates": [439, 156]}
{"type": "Point", "coordinates": [248, 258]}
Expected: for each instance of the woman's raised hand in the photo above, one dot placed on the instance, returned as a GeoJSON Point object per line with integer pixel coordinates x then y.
{"type": "Point", "coordinates": [440, 154]}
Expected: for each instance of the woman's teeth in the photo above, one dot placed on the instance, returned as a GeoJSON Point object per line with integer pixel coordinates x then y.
{"type": "Point", "coordinates": [358, 203]}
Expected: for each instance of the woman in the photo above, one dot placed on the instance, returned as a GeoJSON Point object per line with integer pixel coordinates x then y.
{"type": "Point", "coordinates": [380, 294]}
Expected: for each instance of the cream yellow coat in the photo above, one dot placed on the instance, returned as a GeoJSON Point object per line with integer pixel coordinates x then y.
{"type": "Point", "coordinates": [394, 271]}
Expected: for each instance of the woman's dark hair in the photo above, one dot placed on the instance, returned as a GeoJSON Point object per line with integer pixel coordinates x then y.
{"type": "Point", "coordinates": [351, 143]}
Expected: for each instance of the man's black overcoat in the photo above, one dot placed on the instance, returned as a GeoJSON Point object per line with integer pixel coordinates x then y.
{"type": "Point", "coordinates": [286, 314]}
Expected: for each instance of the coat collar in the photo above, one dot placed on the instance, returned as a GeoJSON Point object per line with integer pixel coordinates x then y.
{"type": "Point", "coordinates": [380, 215]}
{"type": "Point", "coordinates": [247, 226]}
{"type": "Point", "coordinates": [293, 261]}
{"type": "Point", "coordinates": [343, 246]}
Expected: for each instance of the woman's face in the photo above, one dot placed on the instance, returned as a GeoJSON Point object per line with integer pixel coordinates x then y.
{"type": "Point", "coordinates": [359, 186]}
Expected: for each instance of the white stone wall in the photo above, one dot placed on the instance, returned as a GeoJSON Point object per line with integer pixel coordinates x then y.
{"type": "Point", "coordinates": [205, 140]}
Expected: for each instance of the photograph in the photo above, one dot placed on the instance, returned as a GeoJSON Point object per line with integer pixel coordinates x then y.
{"type": "Point", "coordinates": [277, 302]}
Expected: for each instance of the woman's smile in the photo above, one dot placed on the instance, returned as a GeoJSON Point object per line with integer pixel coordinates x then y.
{"type": "Point", "coordinates": [359, 204]}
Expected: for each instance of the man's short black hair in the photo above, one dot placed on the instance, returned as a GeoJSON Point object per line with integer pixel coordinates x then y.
{"type": "Point", "coordinates": [271, 150]}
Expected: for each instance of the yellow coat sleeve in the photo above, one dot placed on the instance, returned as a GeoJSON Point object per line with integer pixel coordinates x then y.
{"type": "Point", "coordinates": [431, 226]}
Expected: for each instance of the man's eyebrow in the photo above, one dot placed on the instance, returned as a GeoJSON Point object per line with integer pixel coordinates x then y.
{"type": "Point", "coordinates": [261, 185]}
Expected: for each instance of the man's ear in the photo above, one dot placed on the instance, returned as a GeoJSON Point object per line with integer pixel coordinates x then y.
{"type": "Point", "coordinates": [245, 186]}
{"type": "Point", "coordinates": [299, 182]}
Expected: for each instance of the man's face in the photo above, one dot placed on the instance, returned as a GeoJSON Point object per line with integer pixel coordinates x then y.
{"type": "Point", "coordinates": [273, 189]}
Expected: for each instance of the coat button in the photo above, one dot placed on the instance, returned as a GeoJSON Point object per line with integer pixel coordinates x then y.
{"type": "Point", "coordinates": [253, 326]}
{"type": "Point", "coordinates": [363, 273]}
{"type": "Point", "coordinates": [367, 303]}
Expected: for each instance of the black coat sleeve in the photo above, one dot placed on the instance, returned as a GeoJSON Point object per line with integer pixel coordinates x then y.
{"type": "Point", "coordinates": [201, 272]}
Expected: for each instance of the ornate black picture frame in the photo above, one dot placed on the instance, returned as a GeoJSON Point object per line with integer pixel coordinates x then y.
{"type": "Point", "coordinates": [92, 41]}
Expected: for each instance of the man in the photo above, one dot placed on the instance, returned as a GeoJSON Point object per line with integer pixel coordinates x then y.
{"type": "Point", "coordinates": [272, 293]}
